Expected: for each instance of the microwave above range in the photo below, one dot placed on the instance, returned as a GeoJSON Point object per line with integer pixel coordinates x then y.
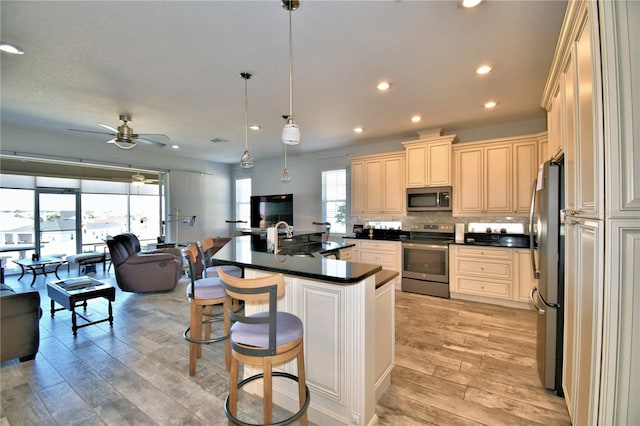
{"type": "Point", "coordinates": [428, 199]}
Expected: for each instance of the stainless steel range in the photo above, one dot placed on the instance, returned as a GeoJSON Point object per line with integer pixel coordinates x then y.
{"type": "Point", "coordinates": [425, 260]}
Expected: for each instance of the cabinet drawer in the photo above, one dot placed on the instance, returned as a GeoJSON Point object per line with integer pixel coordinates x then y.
{"type": "Point", "coordinates": [484, 288]}
{"type": "Point", "coordinates": [377, 245]}
{"type": "Point", "coordinates": [478, 268]}
{"type": "Point", "coordinates": [378, 258]}
{"type": "Point", "coordinates": [484, 252]}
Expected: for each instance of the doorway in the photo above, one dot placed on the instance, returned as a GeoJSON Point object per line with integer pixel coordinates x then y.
{"type": "Point", "coordinates": [58, 221]}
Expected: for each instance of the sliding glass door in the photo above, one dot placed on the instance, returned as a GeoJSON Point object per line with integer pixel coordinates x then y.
{"type": "Point", "coordinates": [58, 224]}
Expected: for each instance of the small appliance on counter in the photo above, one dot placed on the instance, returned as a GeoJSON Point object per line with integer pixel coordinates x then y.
{"type": "Point", "coordinates": [358, 230]}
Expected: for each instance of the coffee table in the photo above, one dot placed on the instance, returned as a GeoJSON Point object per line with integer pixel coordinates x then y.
{"type": "Point", "coordinates": [72, 297]}
{"type": "Point", "coordinates": [39, 266]}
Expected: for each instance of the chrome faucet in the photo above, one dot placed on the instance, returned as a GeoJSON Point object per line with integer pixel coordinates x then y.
{"type": "Point", "coordinates": [275, 231]}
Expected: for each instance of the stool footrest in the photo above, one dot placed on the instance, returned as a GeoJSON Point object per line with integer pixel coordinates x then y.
{"type": "Point", "coordinates": [236, 421]}
{"type": "Point", "coordinates": [186, 335]}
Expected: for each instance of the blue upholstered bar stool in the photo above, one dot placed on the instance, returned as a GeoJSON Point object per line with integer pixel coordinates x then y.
{"type": "Point", "coordinates": [203, 294]}
{"type": "Point", "coordinates": [263, 339]}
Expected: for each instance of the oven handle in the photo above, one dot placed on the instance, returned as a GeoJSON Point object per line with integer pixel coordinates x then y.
{"type": "Point", "coordinates": [426, 246]}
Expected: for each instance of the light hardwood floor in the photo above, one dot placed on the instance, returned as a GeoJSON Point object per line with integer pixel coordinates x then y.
{"type": "Point", "coordinates": [456, 363]}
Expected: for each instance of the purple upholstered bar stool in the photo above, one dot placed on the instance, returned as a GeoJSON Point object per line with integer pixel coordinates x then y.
{"type": "Point", "coordinates": [203, 294]}
{"type": "Point", "coordinates": [263, 339]}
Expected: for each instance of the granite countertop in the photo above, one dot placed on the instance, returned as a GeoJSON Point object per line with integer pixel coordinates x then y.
{"type": "Point", "coordinates": [496, 240]}
{"type": "Point", "coordinates": [248, 251]}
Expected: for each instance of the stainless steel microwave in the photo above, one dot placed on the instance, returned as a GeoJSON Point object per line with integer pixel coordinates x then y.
{"type": "Point", "coordinates": [437, 198]}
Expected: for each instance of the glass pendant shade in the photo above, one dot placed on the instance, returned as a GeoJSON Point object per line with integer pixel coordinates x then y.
{"type": "Point", "coordinates": [286, 177]}
{"type": "Point", "coordinates": [246, 161]}
{"type": "Point", "coordinates": [291, 133]}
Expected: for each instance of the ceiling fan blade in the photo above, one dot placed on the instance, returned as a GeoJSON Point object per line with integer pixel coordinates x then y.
{"type": "Point", "coordinates": [122, 145]}
{"type": "Point", "coordinates": [154, 136]}
{"type": "Point", "coordinates": [151, 142]}
{"type": "Point", "coordinates": [108, 127]}
{"type": "Point", "coordinates": [92, 131]}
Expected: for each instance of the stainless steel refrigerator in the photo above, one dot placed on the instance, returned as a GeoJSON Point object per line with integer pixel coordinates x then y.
{"type": "Point", "coordinates": [546, 237]}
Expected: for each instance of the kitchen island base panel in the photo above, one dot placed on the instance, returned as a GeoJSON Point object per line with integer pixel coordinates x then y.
{"type": "Point", "coordinates": [341, 344]}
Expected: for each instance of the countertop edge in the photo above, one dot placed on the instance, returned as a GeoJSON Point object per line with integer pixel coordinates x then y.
{"type": "Point", "coordinates": [334, 280]}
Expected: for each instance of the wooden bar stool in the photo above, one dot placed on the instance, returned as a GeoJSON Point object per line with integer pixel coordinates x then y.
{"type": "Point", "coordinates": [208, 247]}
{"type": "Point", "coordinates": [263, 339]}
{"type": "Point", "coordinates": [203, 294]}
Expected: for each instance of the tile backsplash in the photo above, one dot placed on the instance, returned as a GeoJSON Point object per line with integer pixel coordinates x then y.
{"type": "Point", "coordinates": [417, 221]}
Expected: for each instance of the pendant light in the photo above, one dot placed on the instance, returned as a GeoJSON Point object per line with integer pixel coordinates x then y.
{"type": "Point", "coordinates": [290, 132]}
{"type": "Point", "coordinates": [286, 177]}
{"type": "Point", "coordinates": [246, 161]}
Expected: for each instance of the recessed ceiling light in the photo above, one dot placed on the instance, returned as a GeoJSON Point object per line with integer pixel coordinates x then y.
{"type": "Point", "coordinates": [10, 48]}
{"type": "Point", "coordinates": [416, 118]}
{"type": "Point", "coordinates": [255, 127]}
{"type": "Point", "coordinates": [358, 129]}
{"type": "Point", "coordinates": [175, 146]}
{"type": "Point", "coordinates": [484, 69]}
{"type": "Point", "coordinates": [468, 4]}
{"type": "Point", "coordinates": [490, 104]}
{"type": "Point", "coordinates": [383, 85]}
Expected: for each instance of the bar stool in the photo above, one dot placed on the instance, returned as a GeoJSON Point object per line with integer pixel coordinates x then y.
{"type": "Point", "coordinates": [263, 339]}
{"type": "Point", "coordinates": [203, 294]}
{"type": "Point", "coordinates": [208, 247]}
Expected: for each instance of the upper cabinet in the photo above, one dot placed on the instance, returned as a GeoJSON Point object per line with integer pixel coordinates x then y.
{"type": "Point", "coordinates": [495, 178]}
{"type": "Point", "coordinates": [429, 160]}
{"type": "Point", "coordinates": [573, 99]}
{"type": "Point", "coordinates": [378, 184]}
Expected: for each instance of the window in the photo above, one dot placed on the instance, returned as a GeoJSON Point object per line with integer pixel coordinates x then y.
{"type": "Point", "coordinates": [334, 199]}
{"type": "Point", "coordinates": [243, 202]}
{"type": "Point", "coordinates": [16, 226]}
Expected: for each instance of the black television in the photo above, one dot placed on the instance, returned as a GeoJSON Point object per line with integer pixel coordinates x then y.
{"type": "Point", "coordinates": [267, 210]}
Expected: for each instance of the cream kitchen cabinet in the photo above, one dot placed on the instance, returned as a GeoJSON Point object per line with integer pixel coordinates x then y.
{"type": "Point", "coordinates": [583, 316]}
{"type": "Point", "coordinates": [596, 64]}
{"type": "Point", "coordinates": [524, 280]}
{"type": "Point", "coordinates": [387, 254]}
{"type": "Point", "coordinates": [525, 168]}
{"type": "Point", "coordinates": [482, 180]}
{"type": "Point", "coordinates": [497, 275]}
{"type": "Point", "coordinates": [495, 178]}
{"type": "Point", "coordinates": [481, 271]}
{"type": "Point", "coordinates": [377, 184]}
{"type": "Point", "coordinates": [429, 162]}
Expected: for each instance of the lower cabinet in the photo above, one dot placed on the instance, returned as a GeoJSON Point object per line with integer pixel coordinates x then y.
{"type": "Point", "coordinates": [387, 254]}
{"type": "Point", "coordinates": [345, 253]}
{"type": "Point", "coordinates": [490, 274]}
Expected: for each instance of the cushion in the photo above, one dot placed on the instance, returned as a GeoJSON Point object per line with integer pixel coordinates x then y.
{"type": "Point", "coordinates": [207, 288]}
{"type": "Point", "coordinates": [289, 328]}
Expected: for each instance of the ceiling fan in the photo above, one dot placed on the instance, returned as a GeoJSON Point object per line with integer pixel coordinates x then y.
{"type": "Point", "coordinates": [124, 138]}
{"type": "Point", "coordinates": [139, 179]}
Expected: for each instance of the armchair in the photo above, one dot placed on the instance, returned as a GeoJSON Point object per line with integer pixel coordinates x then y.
{"type": "Point", "coordinates": [141, 272]}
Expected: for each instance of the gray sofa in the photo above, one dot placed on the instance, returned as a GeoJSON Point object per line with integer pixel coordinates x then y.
{"type": "Point", "coordinates": [19, 324]}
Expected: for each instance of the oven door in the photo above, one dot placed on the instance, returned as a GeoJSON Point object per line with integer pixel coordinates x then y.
{"type": "Point", "coordinates": [427, 262]}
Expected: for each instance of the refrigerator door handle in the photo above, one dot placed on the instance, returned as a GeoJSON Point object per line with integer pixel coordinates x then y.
{"type": "Point", "coordinates": [547, 304]}
{"type": "Point", "coordinates": [536, 271]}
{"type": "Point", "coordinates": [533, 300]}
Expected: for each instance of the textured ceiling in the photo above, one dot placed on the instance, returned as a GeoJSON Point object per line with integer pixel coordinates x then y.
{"type": "Point", "coordinates": [174, 66]}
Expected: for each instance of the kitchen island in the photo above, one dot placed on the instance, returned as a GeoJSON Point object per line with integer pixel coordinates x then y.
{"type": "Point", "coordinates": [347, 309]}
